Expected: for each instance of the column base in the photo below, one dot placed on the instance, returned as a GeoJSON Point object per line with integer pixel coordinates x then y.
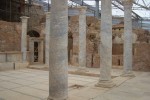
{"type": "Point", "coordinates": [127, 74]}
{"type": "Point", "coordinates": [105, 84]}
{"type": "Point", "coordinates": [50, 98]}
{"type": "Point", "coordinates": [47, 66]}
{"type": "Point", "coordinates": [25, 62]}
{"type": "Point", "coordinates": [82, 70]}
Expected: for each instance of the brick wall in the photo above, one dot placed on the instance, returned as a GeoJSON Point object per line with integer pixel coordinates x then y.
{"type": "Point", "coordinates": [10, 36]}
{"type": "Point", "coordinates": [141, 48]}
{"type": "Point", "coordinates": [142, 57]}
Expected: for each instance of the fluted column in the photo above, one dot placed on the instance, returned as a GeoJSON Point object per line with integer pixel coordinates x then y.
{"type": "Point", "coordinates": [82, 37]}
{"type": "Point", "coordinates": [24, 20]}
{"type": "Point", "coordinates": [58, 52]}
{"type": "Point", "coordinates": [106, 45]}
{"type": "Point", "coordinates": [47, 37]}
{"type": "Point", "coordinates": [127, 55]}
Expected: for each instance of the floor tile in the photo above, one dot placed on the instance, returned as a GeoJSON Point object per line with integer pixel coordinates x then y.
{"type": "Point", "coordinates": [40, 86]}
{"type": "Point", "coordinates": [9, 85]}
{"type": "Point", "coordinates": [32, 91]}
{"type": "Point", "coordinates": [22, 82]}
{"type": "Point", "coordinates": [11, 95]}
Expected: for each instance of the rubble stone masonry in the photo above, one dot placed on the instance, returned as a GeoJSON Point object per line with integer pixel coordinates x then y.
{"type": "Point", "coordinates": [141, 45]}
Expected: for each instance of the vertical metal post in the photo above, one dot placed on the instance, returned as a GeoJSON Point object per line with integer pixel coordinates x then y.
{"type": "Point", "coordinates": [10, 10]}
{"type": "Point", "coordinates": [82, 2]}
{"type": "Point", "coordinates": [48, 6]}
{"type": "Point", "coordinates": [97, 8]}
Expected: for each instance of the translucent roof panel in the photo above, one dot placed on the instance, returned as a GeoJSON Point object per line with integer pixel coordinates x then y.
{"type": "Point", "coordinates": [140, 7]}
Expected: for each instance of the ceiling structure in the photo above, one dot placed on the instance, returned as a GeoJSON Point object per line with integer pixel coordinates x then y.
{"type": "Point", "coordinates": [141, 8]}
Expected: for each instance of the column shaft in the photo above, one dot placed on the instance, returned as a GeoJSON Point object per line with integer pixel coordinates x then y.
{"type": "Point", "coordinates": [127, 55]}
{"type": "Point", "coordinates": [58, 52]}
{"type": "Point", "coordinates": [106, 41]}
{"type": "Point", "coordinates": [82, 36]}
{"type": "Point", "coordinates": [24, 20]}
{"type": "Point", "coordinates": [31, 49]}
{"type": "Point", "coordinates": [106, 45]}
{"type": "Point", "coordinates": [47, 37]}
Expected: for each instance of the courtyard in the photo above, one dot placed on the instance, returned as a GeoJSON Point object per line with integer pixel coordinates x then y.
{"type": "Point", "coordinates": [33, 84]}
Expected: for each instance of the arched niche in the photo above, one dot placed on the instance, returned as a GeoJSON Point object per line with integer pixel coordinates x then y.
{"type": "Point", "coordinates": [33, 33]}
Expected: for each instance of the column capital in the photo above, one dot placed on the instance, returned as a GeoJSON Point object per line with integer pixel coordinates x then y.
{"type": "Point", "coordinates": [82, 9]}
{"type": "Point", "coordinates": [48, 15]}
{"type": "Point", "coordinates": [24, 18]}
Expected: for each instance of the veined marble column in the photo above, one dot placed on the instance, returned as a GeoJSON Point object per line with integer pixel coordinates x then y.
{"type": "Point", "coordinates": [24, 20]}
{"type": "Point", "coordinates": [106, 45]}
{"type": "Point", "coordinates": [47, 37]}
{"type": "Point", "coordinates": [127, 55]}
{"type": "Point", "coordinates": [97, 8]}
{"type": "Point", "coordinates": [82, 37]}
{"type": "Point", "coordinates": [58, 52]}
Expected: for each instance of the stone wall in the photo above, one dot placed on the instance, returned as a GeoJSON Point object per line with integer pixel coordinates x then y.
{"type": "Point", "coordinates": [10, 36]}
{"type": "Point", "coordinates": [74, 33]}
{"type": "Point", "coordinates": [141, 40]}
{"type": "Point", "coordinates": [92, 41]}
{"type": "Point", "coordinates": [141, 57]}
{"type": "Point", "coordinates": [117, 61]}
{"type": "Point", "coordinates": [117, 49]}
{"type": "Point", "coordinates": [36, 13]}
{"type": "Point", "coordinates": [139, 35]}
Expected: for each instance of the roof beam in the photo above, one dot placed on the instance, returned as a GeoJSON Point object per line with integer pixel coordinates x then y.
{"type": "Point", "coordinates": [145, 7]}
{"type": "Point", "coordinates": [81, 2]}
{"type": "Point", "coordinates": [119, 7]}
{"type": "Point", "coordinates": [135, 14]}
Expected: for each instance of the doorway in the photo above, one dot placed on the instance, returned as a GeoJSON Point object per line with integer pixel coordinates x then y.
{"type": "Point", "coordinates": [36, 52]}
{"type": "Point", "coordinates": [35, 47]}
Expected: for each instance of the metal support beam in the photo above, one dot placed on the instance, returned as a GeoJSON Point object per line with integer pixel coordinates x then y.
{"type": "Point", "coordinates": [97, 8]}
{"type": "Point", "coordinates": [135, 14]}
{"type": "Point", "coordinates": [85, 4]}
{"type": "Point", "coordinates": [145, 7]}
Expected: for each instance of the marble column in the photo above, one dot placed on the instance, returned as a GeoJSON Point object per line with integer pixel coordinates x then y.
{"type": "Point", "coordinates": [31, 49]}
{"type": "Point", "coordinates": [97, 8]}
{"type": "Point", "coordinates": [47, 37]}
{"type": "Point", "coordinates": [24, 20]}
{"type": "Point", "coordinates": [58, 52]}
{"type": "Point", "coordinates": [106, 45]}
{"type": "Point", "coordinates": [127, 55]}
{"type": "Point", "coordinates": [82, 37]}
